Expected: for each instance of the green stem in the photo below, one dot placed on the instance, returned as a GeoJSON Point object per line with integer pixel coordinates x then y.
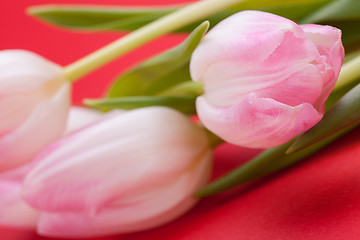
{"type": "Point", "coordinates": [349, 73]}
{"type": "Point", "coordinates": [214, 140]}
{"type": "Point", "coordinates": [168, 23]}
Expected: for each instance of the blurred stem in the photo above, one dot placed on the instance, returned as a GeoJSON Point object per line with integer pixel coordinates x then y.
{"type": "Point", "coordinates": [349, 73]}
{"type": "Point", "coordinates": [214, 140]}
{"type": "Point", "coordinates": [168, 23]}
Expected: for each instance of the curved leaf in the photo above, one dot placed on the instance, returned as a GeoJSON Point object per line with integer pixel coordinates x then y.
{"type": "Point", "coordinates": [267, 162]}
{"type": "Point", "coordinates": [345, 113]}
{"type": "Point", "coordinates": [343, 14]}
{"type": "Point", "coordinates": [96, 18]}
{"type": "Point", "coordinates": [184, 104]}
{"type": "Point", "coordinates": [160, 72]}
{"type": "Point", "coordinates": [335, 11]}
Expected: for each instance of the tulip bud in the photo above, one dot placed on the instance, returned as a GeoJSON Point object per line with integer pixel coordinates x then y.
{"type": "Point", "coordinates": [265, 77]}
{"type": "Point", "coordinates": [14, 211]}
{"type": "Point", "coordinates": [34, 101]}
{"type": "Point", "coordinates": [132, 171]}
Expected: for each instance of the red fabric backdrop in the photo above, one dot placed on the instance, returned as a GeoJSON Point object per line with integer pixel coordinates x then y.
{"type": "Point", "coordinates": [316, 199]}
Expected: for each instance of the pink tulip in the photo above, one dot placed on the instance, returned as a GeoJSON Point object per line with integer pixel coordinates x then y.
{"type": "Point", "coordinates": [34, 101]}
{"type": "Point", "coordinates": [265, 77]}
{"type": "Point", "coordinates": [15, 212]}
{"type": "Point", "coordinates": [130, 172]}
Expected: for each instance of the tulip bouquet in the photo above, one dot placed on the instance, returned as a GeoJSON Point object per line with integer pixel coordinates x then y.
{"type": "Point", "coordinates": [268, 75]}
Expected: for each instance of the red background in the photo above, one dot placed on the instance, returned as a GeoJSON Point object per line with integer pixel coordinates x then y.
{"type": "Point", "coordinates": [316, 199]}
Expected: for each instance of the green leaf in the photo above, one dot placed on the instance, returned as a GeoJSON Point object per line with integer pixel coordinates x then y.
{"type": "Point", "coordinates": [347, 80]}
{"type": "Point", "coordinates": [269, 161]}
{"type": "Point", "coordinates": [343, 14]}
{"type": "Point", "coordinates": [345, 113]}
{"type": "Point", "coordinates": [294, 10]}
{"type": "Point", "coordinates": [335, 11]}
{"type": "Point", "coordinates": [184, 104]}
{"type": "Point", "coordinates": [160, 72]}
{"type": "Point", "coordinates": [350, 32]}
{"type": "Point", "coordinates": [96, 18]}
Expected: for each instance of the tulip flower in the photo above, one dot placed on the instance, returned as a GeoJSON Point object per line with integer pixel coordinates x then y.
{"type": "Point", "coordinates": [265, 78]}
{"type": "Point", "coordinates": [14, 211]}
{"type": "Point", "coordinates": [129, 172]}
{"type": "Point", "coordinates": [34, 101]}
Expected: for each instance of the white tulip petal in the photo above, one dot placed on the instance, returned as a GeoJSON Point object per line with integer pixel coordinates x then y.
{"type": "Point", "coordinates": [165, 203]}
{"type": "Point", "coordinates": [139, 149]}
{"type": "Point", "coordinates": [45, 124]}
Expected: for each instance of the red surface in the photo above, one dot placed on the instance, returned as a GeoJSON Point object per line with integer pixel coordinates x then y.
{"type": "Point", "coordinates": [316, 199]}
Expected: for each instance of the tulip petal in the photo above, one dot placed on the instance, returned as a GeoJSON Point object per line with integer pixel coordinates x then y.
{"type": "Point", "coordinates": [279, 85]}
{"type": "Point", "coordinates": [327, 39]}
{"type": "Point", "coordinates": [291, 69]}
{"type": "Point", "coordinates": [26, 79]}
{"type": "Point", "coordinates": [162, 204]}
{"type": "Point", "coordinates": [227, 40]}
{"type": "Point", "coordinates": [257, 122]}
{"type": "Point", "coordinates": [14, 211]}
{"type": "Point", "coordinates": [35, 71]}
{"type": "Point", "coordinates": [44, 125]}
{"type": "Point", "coordinates": [59, 182]}
{"type": "Point", "coordinates": [16, 174]}
{"type": "Point", "coordinates": [232, 65]}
